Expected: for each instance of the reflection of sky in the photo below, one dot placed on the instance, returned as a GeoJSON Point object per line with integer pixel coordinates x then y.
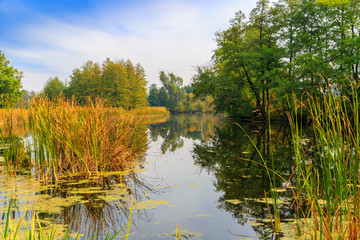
{"type": "Point", "coordinates": [187, 200]}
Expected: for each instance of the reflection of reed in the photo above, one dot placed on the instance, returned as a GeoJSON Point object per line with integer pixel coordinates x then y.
{"type": "Point", "coordinates": [13, 121]}
{"type": "Point", "coordinates": [240, 174]}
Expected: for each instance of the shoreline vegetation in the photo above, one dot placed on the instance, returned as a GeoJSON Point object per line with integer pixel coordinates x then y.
{"type": "Point", "coordinates": [288, 60]}
{"type": "Point", "coordinates": [327, 179]}
{"type": "Point", "coordinates": [68, 139]}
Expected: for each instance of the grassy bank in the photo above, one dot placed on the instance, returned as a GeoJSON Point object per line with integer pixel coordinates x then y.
{"type": "Point", "coordinates": [327, 180]}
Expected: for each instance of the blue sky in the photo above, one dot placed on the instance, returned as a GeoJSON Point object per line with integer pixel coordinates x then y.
{"type": "Point", "coordinates": [47, 38]}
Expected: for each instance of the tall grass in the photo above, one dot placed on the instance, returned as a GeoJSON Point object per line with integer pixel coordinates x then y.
{"type": "Point", "coordinates": [328, 187]}
{"type": "Point", "coordinates": [151, 111]}
{"type": "Point", "coordinates": [68, 138]}
{"type": "Point", "coordinates": [72, 139]}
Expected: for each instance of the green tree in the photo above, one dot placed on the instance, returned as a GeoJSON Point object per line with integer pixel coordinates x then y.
{"type": "Point", "coordinates": [172, 84]}
{"type": "Point", "coordinates": [153, 98]}
{"type": "Point", "coordinates": [246, 65]}
{"type": "Point", "coordinates": [85, 82]}
{"type": "Point", "coordinates": [10, 82]}
{"type": "Point", "coordinates": [289, 47]}
{"type": "Point", "coordinates": [121, 83]}
{"type": "Point", "coordinates": [53, 88]}
{"type": "Point", "coordinates": [163, 98]}
{"type": "Point", "coordinates": [115, 84]}
{"type": "Point", "coordinates": [137, 82]}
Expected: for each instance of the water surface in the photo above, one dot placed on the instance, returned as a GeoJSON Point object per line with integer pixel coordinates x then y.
{"type": "Point", "coordinates": [202, 174]}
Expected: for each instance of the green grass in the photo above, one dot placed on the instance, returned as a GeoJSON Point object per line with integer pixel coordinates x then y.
{"type": "Point", "coordinates": [328, 173]}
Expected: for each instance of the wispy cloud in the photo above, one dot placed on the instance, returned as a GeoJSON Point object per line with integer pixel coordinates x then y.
{"type": "Point", "coordinates": [161, 35]}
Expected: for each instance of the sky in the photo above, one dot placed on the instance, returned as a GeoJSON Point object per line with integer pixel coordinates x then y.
{"type": "Point", "coordinates": [51, 38]}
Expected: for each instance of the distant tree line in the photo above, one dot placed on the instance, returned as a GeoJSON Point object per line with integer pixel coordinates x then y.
{"type": "Point", "coordinates": [175, 97]}
{"type": "Point", "coordinates": [283, 48]}
{"type": "Point", "coordinates": [121, 83]}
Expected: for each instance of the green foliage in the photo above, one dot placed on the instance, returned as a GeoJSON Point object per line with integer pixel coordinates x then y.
{"type": "Point", "coordinates": [175, 97]}
{"type": "Point", "coordinates": [85, 82]}
{"type": "Point", "coordinates": [115, 83]}
{"type": "Point", "coordinates": [172, 84]}
{"type": "Point", "coordinates": [153, 95]}
{"type": "Point", "coordinates": [137, 82]}
{"type": "Point", "coordinates": [53, 88]}
{"type": "Point", "coordinates": [244, 65]}
{"type": "Point", "coordinates": [121, 83]}
{"type": "Point", "coordinates": [289, 46]}
{"type": "Point", "coordinates": [10, 82]}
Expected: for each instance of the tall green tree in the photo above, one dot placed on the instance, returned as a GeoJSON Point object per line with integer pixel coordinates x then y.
{"type": "Point", "coordinates": [53, 88]}
{"type": "Point", "coordinates": [10, 82]}
{"type": "Point", "coordinates": [153, 98]}
{"type": "Point", "coordinates": [172, 84]}
{"type": "Point", "coordinates": [246, 64]}
{"type": "Point", "coordinates": [283, 48]}
{"type": "Point", "coordinates": [137, 82]}
{"type": "Point", "coordinates": [115, 84]}
{"type": "Point", "coordinates": [85, 82]}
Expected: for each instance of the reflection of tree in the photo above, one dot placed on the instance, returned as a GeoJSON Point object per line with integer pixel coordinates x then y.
{"type": "Point", "coordinates": [105, 208]}
{"type": "Point", "coordinates": [236, 164]}
{"type": "Point", "coordinates": [196, 127]}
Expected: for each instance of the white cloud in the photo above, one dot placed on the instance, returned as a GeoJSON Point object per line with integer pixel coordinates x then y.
{"type": "Point", "coordinates": [171, 36]}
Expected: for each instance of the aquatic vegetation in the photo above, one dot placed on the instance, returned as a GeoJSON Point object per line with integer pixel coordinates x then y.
{"type": "Point", "coordinates": [34, 229]}
{"type": "Point", "coordinates": [92, 207]}
{"type": "Point", "coordinates": [328, 172]}
{"type": "Point", "coordinates": [68, 138]}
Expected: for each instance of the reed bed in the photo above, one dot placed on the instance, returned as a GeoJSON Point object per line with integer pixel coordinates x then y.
{"type": "Point", "coordinates": [67, 138]}
{"type": "Point", "coordinates": [328, 187]}
{"type": "Point", "coordinates": [151, 111]}
{"type": "Point", "coordinates": [150, 115]}
{"type": "Point", "coordinates": [72, 139]}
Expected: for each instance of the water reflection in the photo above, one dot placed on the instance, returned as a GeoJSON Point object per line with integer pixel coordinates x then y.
{"type": "Point", "coordinates": [227, 152]}
{"type": "Point", "coordinates": [239, 169]}
{"type": "Point", "coordinates": [228, 174]}
{"type": "Point", "coordinates": [191, 126]}
{"type": "Point", "coordinates": [92, 207]}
